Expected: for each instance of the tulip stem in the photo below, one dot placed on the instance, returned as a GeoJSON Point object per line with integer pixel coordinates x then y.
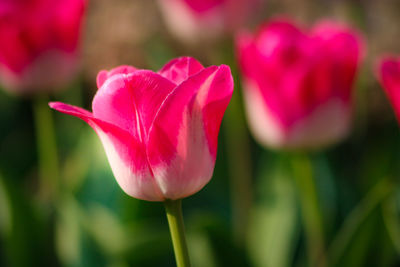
{"type": "Point", "coordinates": [310, 209]}
{"type": "Point", "coordinates": [239, 167]}
{"type": "Point", "coordinates": [173, 208]}
{"type": "Point", "coordinates": [47, 148]}
{"type": "Point", "coordinates": [239, 155]}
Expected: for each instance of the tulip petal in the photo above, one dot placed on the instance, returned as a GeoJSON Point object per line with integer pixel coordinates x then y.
{"type": "Point", "coordinates": [272, 61]}
{"type": "Point", "coordinates": [104, 74]}
{"type": "Point", "coordinates": [179, 69]}
{"type": "Point", "coordinates": [125, 154]}
{"type": "Point", "coordinates": [389, 76]}
{"type": "Point", "coordinates": [182, 141]}
{"type": "Point", "coordinates": [344, 48]}
{"type": "Point", "coordinates": [201, 6]}
{"type": "Point", "coordinates": [131, 101]}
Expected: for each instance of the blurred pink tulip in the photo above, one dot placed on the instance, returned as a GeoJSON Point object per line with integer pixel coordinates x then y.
{"type": "Point", "coordinates": [194, 20]}
{"type": "Point", "coordinates": [39, 40]}
{"type": "Point", "coordinates": [388, 72]}
{"type": "Point", "coordinates": [159, 130]}
{"type": "Point", "coordinates": [298, 85]}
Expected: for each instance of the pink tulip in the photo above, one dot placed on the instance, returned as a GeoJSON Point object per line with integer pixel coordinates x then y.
{"type": "Point", "coordinates": [194, 20]}
{"type": "Point", "coordinates": [159, 130]}
{"type": "Point", "coordinates": [39, 40]}
{"type": "Point", "coordinates": [298, 85]}
{"type": "Point", "coordinates": [388, 72]}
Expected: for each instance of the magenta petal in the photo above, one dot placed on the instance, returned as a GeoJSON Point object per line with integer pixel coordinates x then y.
{"type": "Point", "coordinates": [201, 6]}
{"type": "Point", "coordinates": [104, 74]}
{"type": "Point", "coordinates": [126, 155]}
{"type": "Point", "coordinates": [130, 101]}
{"type": "Point", "coordinates": [344, 49]}
{"type": "Point", "coordinates": [182, 142]}
{"type": "Point", "coordinates": [389, 76]}
{"type": "Point", "coordinates": [179, 69]}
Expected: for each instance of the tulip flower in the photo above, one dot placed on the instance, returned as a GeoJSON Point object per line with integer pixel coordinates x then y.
{"type": "Point", "coordinates": [39, 43]}
{"type": "Point", "coordinates": [160, 131]}
{"type": "Point", "coordinates": [298, 84]}
{"type": "Point", "coordinates": [194, 20]}
{"type": "Point", "coordinates": [388, 72]}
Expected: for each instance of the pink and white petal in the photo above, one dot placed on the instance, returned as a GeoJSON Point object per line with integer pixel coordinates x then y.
{"type": "Point", "coordinates": [149, 91]}
{"type": "Point", "coordinates": [179, 69]}
{"type": "Point", "coordinates": [213, 98]}
{"type": "Point", "coordinates": [267, 126]}
{"type": "Point", "coordinates": [127, 156]}
{"type": "Point", "coordinates": [103, 75]}
{"type": "Point", "coordinates": [113, 103]}
{"type": "Point", "coordinates": [182, 141]}
{"type": "Point", "coordinates": [130, 101]}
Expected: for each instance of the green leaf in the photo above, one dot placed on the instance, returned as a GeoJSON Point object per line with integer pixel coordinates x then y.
{"type": "Point", "coordinates": [68, 232]}
{"type": "Point", "coordinates": [274, 223]}
{"type": "Point", "coordinates": [5, 210]}
{"type": "Point", "coordinates": [358, 226]}
{"type": "Point", "coordinates": [391, 217]}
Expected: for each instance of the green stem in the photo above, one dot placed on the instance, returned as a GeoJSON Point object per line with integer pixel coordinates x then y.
{"type": "Point", "coordinates": [239, 153]}
{"type": "Point", "coordinates": [173, 209]}
{"type": "Point", "coordinates": [310, 209]}
{"type": "Point", "coordinates": [237, 146]}
{"type": "Point", "coordinates": [47, 148]}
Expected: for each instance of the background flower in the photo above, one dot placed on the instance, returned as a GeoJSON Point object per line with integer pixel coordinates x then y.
{"type": "Point", "coordinates": [39, 45]}
{"type": "Point", "coordinates": [194, 20]}
{"type": "Point", "coordinates": [388, 73]}
{"type": "Point", "coordinates": [298, 85]}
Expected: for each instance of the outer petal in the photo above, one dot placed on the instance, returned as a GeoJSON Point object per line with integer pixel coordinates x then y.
{"type": "Point", "coordinates": [179, 69]}
{"type": "Point", "coordinates": [271, 51]}
{"type": "Point", "coordinates": [67, 21]}
{"type": "Point", "coordinates": [192, 27]}
{"type": "Point", "coordinates": [126, 155]}
{"type": "Point", "coordinates": [131, 101]}
{"type": "Point", "coordinates": [344, 49]}
{"type": "Point", "coordinates": [389, 76]}
{"type": "Point", "coordinates": [104, 74]}
{"type": "Point", "coordinates": [273, 60]}
{"type": "Point", "coordinates": [247, 54]}
{"type": "Point", "coordinates": [41, 74]}
{"type": "Point", "coordinates": [325, 125]}
{"type": "Point", "coordinates": [201, 6]}
{"type": "Point", "coordinates": [182, 142]}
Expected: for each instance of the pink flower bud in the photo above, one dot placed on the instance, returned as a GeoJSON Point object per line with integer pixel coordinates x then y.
{"type": "Point", "coordinates": [298, 85]}
{"type": "Point", "coordinates": [388, 72]}
{"type": "Point", "coordinates": [39, 40]}
{"type": "Point", "coordinates": [194, 20]}
{"type": "Point", "coordinates": [159, 130]}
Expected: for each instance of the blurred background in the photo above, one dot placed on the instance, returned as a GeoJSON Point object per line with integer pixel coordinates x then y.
{"type": "Point", "coordinates": [249, 214]}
